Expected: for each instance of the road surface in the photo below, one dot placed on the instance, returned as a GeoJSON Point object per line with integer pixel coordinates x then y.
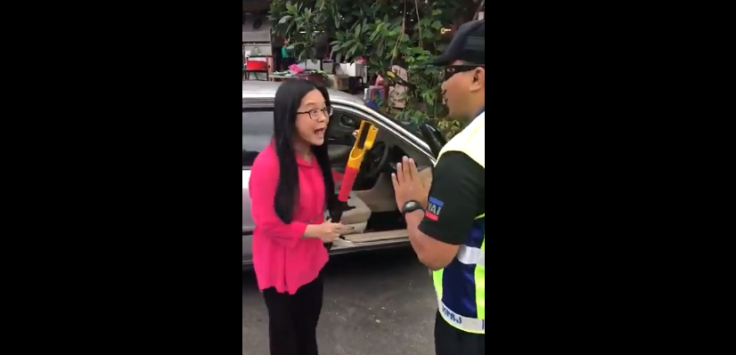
{"type": "Point", "coordinates": [375, 303]}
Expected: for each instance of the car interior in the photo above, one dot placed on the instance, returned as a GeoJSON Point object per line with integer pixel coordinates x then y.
{"type": "Point", "coordinates": [372, 213]}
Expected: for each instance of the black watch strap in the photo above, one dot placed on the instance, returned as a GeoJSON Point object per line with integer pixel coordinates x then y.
{"type": "Point", "coordinates": [411, 206]}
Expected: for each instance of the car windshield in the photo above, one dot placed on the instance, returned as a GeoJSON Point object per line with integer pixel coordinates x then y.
{"type": "Point", "coordinates": [411, 128]}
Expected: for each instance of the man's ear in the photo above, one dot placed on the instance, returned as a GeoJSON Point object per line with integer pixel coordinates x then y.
{"type": "Point", "coordinates": [479, 79]}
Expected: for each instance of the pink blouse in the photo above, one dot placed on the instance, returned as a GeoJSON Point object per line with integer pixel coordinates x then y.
{"type": "Point", "coordinates": [282, 257]}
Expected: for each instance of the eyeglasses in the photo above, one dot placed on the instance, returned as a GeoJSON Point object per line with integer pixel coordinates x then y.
{"type": "Point", "coordinates": [317, 114]}
{"type": "Point", "coordinates": [448, 72]}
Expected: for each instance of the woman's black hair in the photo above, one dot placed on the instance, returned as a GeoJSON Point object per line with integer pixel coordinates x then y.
{"type": "Point", "coordinates": [288, 99]}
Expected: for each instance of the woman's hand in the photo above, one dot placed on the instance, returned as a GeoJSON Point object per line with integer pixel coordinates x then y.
{"type": "Point", "coordinates": [330, 231]}
{"type": "Point", "coordinates": [327, 231]}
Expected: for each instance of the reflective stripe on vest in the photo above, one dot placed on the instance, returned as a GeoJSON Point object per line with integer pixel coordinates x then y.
{"type": "Point", "coordinates": [469, 255]}
{"type": "Point", "coordinates": [462, 301]}
{"type": "Point", "coordinates": [470, 325]}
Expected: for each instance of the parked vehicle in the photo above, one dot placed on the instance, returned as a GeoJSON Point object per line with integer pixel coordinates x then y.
{"type": "Point", "coordinates": [373, 217]}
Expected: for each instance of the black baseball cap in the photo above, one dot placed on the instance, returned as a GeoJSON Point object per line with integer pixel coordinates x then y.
{"type": "Point", "coordinates": [468, 44]}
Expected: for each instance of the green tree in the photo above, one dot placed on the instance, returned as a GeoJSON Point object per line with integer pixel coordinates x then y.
{"type": "Point", "coordinates": [386, 33]}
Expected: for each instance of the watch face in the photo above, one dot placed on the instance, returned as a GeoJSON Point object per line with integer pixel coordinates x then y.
{"type": "Point", "coordinates": [410, 206]}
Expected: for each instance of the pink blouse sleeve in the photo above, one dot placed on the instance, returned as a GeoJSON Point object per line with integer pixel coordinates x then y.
{"type": "Point", "coordinates": [264, 177]}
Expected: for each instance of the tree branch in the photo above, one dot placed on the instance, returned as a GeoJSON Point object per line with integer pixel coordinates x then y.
{"type": "Point", "coordinates": [419, 22]}
{"type": "Point", "coordinates": [401, 36]}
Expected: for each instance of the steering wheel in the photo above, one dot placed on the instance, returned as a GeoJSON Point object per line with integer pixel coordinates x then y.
{"type": "Point", "coordinates": [376, 160]}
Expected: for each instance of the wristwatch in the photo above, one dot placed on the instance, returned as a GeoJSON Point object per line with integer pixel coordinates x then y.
{"type": "Point", "coordinates": [410, 206]}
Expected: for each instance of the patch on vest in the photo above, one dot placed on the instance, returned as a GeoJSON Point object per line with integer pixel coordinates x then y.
{"type": "Point", "coordinates": [434, 208]}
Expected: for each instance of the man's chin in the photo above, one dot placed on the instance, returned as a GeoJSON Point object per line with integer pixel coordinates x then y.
{"type": "Point", "coordinates": [453, 115]}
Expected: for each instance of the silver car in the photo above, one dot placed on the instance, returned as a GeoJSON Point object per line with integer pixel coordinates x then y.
{"type": "Point", "coordinates": [373, 218]}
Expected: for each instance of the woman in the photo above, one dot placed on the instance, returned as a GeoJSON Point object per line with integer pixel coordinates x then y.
{"type": "Point", "coordinates": [286, 57]}
{"type": "Point", "coordinates": [290, 188]}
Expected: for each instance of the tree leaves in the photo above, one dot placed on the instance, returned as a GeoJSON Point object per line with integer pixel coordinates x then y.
{"type": "Point", "coordinates": [374, 30]}
{"type": "Point", "coordinates": [337, 22]}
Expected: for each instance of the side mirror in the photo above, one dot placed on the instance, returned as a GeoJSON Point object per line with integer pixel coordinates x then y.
{"type": "Point", "coordinates": [433, 137]}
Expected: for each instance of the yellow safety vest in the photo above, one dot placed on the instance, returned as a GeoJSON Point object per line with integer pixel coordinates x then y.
{"type": "Point", "coordinates": [461, 286]}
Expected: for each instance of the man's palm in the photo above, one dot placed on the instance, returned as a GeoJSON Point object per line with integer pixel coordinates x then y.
{"type": "Point", "coordinates": [408, 185]}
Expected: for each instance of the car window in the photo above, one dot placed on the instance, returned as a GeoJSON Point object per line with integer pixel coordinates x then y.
{"type": "Point", "coordinates": [257, 133]}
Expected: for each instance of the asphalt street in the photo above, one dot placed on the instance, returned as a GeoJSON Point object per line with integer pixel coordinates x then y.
{"type": "Point", "coordinates": [377, 302]}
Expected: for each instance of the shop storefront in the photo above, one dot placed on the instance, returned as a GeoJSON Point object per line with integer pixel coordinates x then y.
{"type": "Point", "coordinates": [258, 45]}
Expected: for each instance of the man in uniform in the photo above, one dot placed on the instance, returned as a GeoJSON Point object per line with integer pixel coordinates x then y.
{"type": "Point", "coordinates": [447, 224]}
